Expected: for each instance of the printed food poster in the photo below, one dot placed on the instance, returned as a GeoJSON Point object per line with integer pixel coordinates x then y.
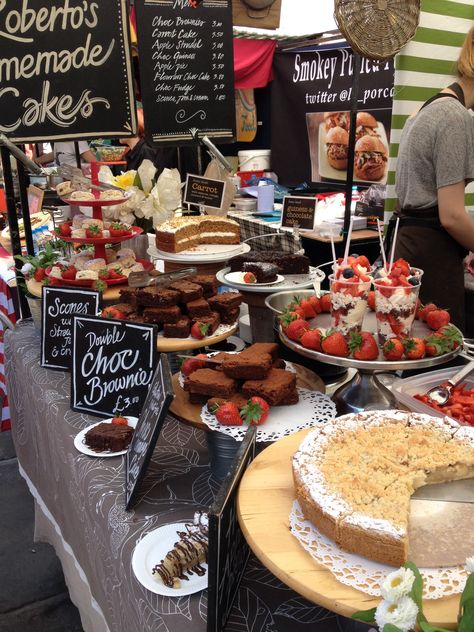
{"type": "Point", "coordinates": [311, 99]}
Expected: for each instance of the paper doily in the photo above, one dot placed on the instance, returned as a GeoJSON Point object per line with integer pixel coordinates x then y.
{"type": "Point", "coordinates": [313, 408]}
{"type": "Point", "coordinates": [362, 573]}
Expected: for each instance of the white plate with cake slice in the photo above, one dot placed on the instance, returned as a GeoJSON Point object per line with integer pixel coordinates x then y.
{"type": "Point", "coordinates": [80, 441]}
{"type": "Point", "coordinates": [238, 279]}
{"type": "Point", "coordinates": [151, 550]}
{"type": "Point", "coordinates": [202, 253]}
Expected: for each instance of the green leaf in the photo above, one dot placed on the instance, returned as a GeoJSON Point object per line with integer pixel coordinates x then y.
{"type": "Point", "coordinates": [428, 627]}
{"type": "Point", "coordinates": [416, 592]}
{"type": "Point", "coordinates": [368, 616]}
{"type": "Point", "coordinates": [137, 182]}
{"type": "Point", "coordinates": [468, 592]}
{"type": "Point", "coordinates": [466, 623]}
{"type": "Point", "coordinates": [389, 627]}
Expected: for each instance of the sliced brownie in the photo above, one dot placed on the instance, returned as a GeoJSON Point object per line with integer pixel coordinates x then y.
{"type": "Point", "coordinates": [209, 382]}
{"type": "Point", "coordinates": [128, 295]}
{"type": "Point", "coordinates": [162, 314]}
{"type": "Point", "coordinates": [199, 307]}
{"type": "Point", "coordinates": [237, 398]}
{"type": "Point", "coordinates": [225, 301]}
{"type": "Point", "coordinates": [264, 347]}
{"type": "Point", "coordinates": [154, 296]}
{"type": "Point", "coordinates": [263, 271]}
{"type": "Point", "coordinates": [179, 329]}
{"type": "Point", "coordinates": [247, 366]}
{"type": "Point", "coordinates": [135, 318]}
{"type": "Point", "coordinates": [219, 357]}
{"type": "Point", "coordinates": [230, 316]}
{"type": "Point", "coordinates": [196, 398]}
{"type": "Point", "coordinates": [213, 321]}
{"type": "Point", "coordinates": [208, 282]}
{"type": "Point", "coordinates": [278, 386]}
{"type": "Point", "coordinates": [125, 308]}
{"type": "Point", "coordinates": [107, 436]}
{"type": "Point", "coordinates": [290, 399]}
{"type": "Point", "coordinates": [188, 291]}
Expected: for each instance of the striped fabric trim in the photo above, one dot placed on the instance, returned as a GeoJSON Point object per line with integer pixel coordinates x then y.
{"type": "Point", "coordinates": [424, 66]}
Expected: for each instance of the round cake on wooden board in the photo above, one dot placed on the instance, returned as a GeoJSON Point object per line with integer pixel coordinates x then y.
{"type": "Point", "coordinates": [354, 476]}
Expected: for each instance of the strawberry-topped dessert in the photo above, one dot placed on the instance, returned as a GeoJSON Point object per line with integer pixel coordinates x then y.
{"type": "Point", "coordinates": [350, 285]}
{"type": "Point", "coordinates": [396, 299]}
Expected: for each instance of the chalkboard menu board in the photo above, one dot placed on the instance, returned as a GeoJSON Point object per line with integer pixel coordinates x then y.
{"type": "Point", "coordinates": [228, 549]}
{"type": "Point", "coordinates": [187, 69]}
{"type": "Point", "coordinates": [112, 365]}
{"type": "Point", "coordinates": [59, 304]}
{"type": "Point", "coordinates": [299, 211]}
{"type": "Point", "coordinates": [204, 191]}
{"type": "Point", "coordinates": [65, 70]}
{"type": "Point", "coordinates": [160, 396]}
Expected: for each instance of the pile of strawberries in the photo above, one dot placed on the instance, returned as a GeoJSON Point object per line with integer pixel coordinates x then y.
{"type": "Point", "coordinates": [69, 273]}
{"type": "Point", "coordinates": [94, 231]}
{"type": "Point", "coordinates": [363, 346]}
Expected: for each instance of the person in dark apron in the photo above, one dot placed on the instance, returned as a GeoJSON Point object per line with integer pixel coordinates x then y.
{"type": "Point", "coordinates": [435, 162]}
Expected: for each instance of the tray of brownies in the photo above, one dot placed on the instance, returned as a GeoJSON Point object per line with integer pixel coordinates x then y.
{"type": "Point", "coordinates": [253, 387]}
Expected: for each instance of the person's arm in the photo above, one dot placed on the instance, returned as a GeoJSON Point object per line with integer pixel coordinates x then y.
{"type": "Point", "coordinates": [88, 156]}
{"type": "Point", "coordinates": [44, 158]}
{"type": "Point", "coordinates": [453, 215]}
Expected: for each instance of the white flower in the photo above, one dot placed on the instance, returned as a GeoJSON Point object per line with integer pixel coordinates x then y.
{"type": "Point", "coordinates": [470, 564]}
{"type": "Point", "coordinates": [397, 584]}
{"type": "Point", "coordinates": [147, 172]}
{"type": "Point", "coordinates": [402, 613]}
{"type": "Point", "coordinates": [27, 269]}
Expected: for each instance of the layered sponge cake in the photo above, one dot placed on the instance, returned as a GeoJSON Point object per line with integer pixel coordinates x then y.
{"type": "Point", "coordinates": [183, 233]}
{"type": "Point", "coordinates": [354, 477]}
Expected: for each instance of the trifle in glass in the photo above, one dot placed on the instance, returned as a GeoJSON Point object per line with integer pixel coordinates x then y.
{"type": "Point", "coordinates": [350, 285]}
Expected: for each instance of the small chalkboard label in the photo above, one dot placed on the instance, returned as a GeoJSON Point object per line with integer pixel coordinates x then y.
{"type": "Point", "coordinates": [187, 69]}
{"type": "Point", "coordinates": [228, 549]}
{"type": "Point", "coordinates": [113, 362]}
{"type": "Point", "coordinates": [299, 211]}
{"type": "Point", "coordinates": [152, 416]}
{"type": "Point", "coordinates": [59, 305]}
{"type": "Point", "coordinates": [204, 191]}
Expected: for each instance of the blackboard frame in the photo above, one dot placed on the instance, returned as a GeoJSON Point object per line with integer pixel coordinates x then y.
{"type": "Point", "coordinates": [75, 391]}
{"type": "Point", "coordinates": [163, 373]}
{"type": "Point", "coordinates": [47, 291]}
{"type": "Point", "coordinates": [220, 605]}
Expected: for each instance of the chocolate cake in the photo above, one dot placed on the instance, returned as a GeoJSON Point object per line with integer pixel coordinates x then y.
{"type": "Point", "coordinates": [180, 329]}
{"type": "Point", "coordinates": [209, 382]}
{"type": "Point", "coordinates": [219, 357]}
{"type": "Point", "coordinates": [263, 272]}
{"type": "Point", "coordinates": [108, 437]}
{"type": "Point", "coordinates": [154, 296]}
{"type": "Point", "coordinates": [199, 307]}
{"type": "Point", "coordinates": [287, 263]}
{"type": "Point", "coordinates": [128, 295]}
{"type": "Point", "coordinates": [213, 320]}
{"type": "Point", "coordinates": [264, 347]}
{"type": "Point", "coordinates": [278, 386]}
{"type": "Point", "coordinates": [125, 308]}
{"type": "Point", "coordinates": [225, 301]}
{"type": "Point", "coordinates": [230, 316]}
{"type": "Point", "coordinates": [247, 365]}
{"type": "Point", "coordinates": [196, 398]}
{"type": "Point", "coordinates": [208, 282]}
{"type": "Point", "coordinates": [188, 291]}
{"type": "Point", "coordinates": [237, 398]}
{"type": "Point", "coordinates": [159, 315]}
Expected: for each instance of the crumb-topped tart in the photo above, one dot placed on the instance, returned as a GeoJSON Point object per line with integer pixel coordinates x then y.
{"type": "Point", "coordinates": [354, 476]}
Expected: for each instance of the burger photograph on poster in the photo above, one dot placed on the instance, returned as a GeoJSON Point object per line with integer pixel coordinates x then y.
{"type": "Point", "coordinates": [328, 140]}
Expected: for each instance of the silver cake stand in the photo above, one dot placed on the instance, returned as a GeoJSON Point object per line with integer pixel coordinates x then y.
{"type": "Point", "coordinates": [365, 391]}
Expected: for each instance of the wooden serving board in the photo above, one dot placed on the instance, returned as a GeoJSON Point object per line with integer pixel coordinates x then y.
{"type": "Point", "coordinates": [264, 503]}
{"type": "Point", "coordinates": [191, 413]}
{"type": "Point", "coordinates": [111, 294]}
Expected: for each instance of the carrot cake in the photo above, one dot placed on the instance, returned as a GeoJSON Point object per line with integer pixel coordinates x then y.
{"type": "Point", "coordinates": [183, 233]}
{"type": "Point", "coordinates": [354, 477]}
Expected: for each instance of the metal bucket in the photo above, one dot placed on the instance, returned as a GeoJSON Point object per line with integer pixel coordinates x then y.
{"type": "Point", "coordinates": [278, 301]}
{"type": "Point", "coordinates": [222, 450]}
{"type": "Point", "coordinates": [34, 303]}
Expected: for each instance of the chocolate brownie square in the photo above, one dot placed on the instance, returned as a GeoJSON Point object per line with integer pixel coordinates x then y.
{"type": "Point", "coordinates": [263, 271]}
{"type": "Point", "coordinates": [219, 357]}
{"type": "Point", "coordinates": [247, 366]}
{"type": "Point", "coordinates": [237, 398]}
{"type": "Point", "coordinates": [208, 282]}
{"type": "Point", "coordinates": [199, 307]}
{"type": "Point", "coordinates": [128, 295]}
{"type": "Point", "coordinates": [162, 314]}
{"type": "Point", "coordinates": [108, 437]}
{"type": "Point", "coordinates": [195, 398]}
{"type": "Point", "coordinates": [188, 291]}
{"type": "Point", "coordinates": [264, 347]}
{"type": "Point", "coordinates": [125, 308]}
{"type": "Point", "coordinates": [225, 301]}
{"type": "Point", "coordinates": [230, 316]}
{"type": "Point", "coordinates": [209, 382]}
{"type": "Point", "coordinates": [180, 329]}
{"type": "Point", "coordinates": [213, 321]}
{"type": "Point", "coordinates": [135, 318]}
{"type": "Point", "coordinates": [154, 296]}
{"type": "Point", "coordinates": [278, 386]}
{"type": "Point", "coordinates": [290, 399]}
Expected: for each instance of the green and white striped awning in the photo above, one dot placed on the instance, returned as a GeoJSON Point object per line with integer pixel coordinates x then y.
{"type": "Point", "coordinates": [424, 66]}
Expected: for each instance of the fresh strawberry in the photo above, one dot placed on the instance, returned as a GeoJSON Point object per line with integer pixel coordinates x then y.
{"type": "Point", "coordinates": [64, 229]}
{"type": "Point", "coordinates": [335, 344]}
{"type": "Point", "coordinates": [415, 348]}
{"type": "Point", "coordinates": [419, 307]}
{"type": "Point", "coordinates": [52, 281]}
{"type": "Point", "coordinates": [199, 330]}
{"type": "Point", "coordinates": [363, 346]}
{"type": "Point", "coordinates": [299, 311]}
{"type": "Point", "coordinates": [255, 411]}
{"type": "Point", "coordinates": [325, 303]}
{"type": "Point", "coordinates": [286, 318]}
{"type": "Point", "coordinates": [308, 309]}
{"type": "Point", "coordinates": [115, 274]}
{"type": "Point", "coordinates": [93, 232]}
{"type": "Point", "coordinates": [363, 261]}
{"type": "Point", "coordinates": [316, 303]}
{"type": "Point", "coordinates": [424, 311]}
{"type": "Point", "coordinates": [296, 329]}
{"type": "Point", "coordinates": [393, 349]}
{"type": "Point", "coordinates": [249, 277]}
{"type": "Point", "coordinates": [104, 274]}
{"type": "Point", "coordinates": [69, 273]}
{"type": "Point", "coordinates": [120, 421]}
{"type": "Point", "coordinates": [112, 312]}
{"type": "Point", "coordinates": [452, 336]}
{"type": "Point", "coordinates": [395, 325]}
{"type": "Point", "coordinates": [371, 300]}
{"type": "Point", "coordinates": [435, 344]}
{"type": "Point", "coordinates": [99, 285]}
{"type": "Point", "coordinates": [229, 415]}
{"type": "Point", "coordinates": [311, 339]}
{"type": "Point", "coordinates": [39, 274]}
{"type": "Point", "coordinates": [119, 230]}
{"type": "Point", "coordinates": [401, 265]}
{"type": "Point", "coordinates": [437, 318]}
{"type": "Point", "coordinates": [193, 364]}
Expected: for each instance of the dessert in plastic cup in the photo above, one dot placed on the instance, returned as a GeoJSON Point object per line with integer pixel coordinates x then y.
{"type": "Point", "coordinates": [350, 285]}
{"type": "Point", "coordinates": [396, 299]}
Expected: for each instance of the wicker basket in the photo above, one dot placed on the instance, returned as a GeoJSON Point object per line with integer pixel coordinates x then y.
{"type": "Point", "coordinates": [377, 28]}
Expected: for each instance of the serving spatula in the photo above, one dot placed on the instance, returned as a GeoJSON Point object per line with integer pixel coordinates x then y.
{"type": "Point", "coordinates": [153, 277]}
{"type": "Point", "coordinates": [80, 182]}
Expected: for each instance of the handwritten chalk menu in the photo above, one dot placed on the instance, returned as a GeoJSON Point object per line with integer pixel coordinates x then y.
{"type": "Point", "coordinates": [59, 304]}
{"type": "Point", "coordinates": [112, 365]}
{"type": "Point", "coordinates": [204, 191]}
{"type": "Point", "coordinates": [148, 429]}
{"type": "Point", "coordinates": [300, 211]}
{"type": "Point", "coordinates": [187, 69]}
{"type": "Point", "coordinates": [65, 70]}
{"type": "Point", "coordinates": [228, 549]}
